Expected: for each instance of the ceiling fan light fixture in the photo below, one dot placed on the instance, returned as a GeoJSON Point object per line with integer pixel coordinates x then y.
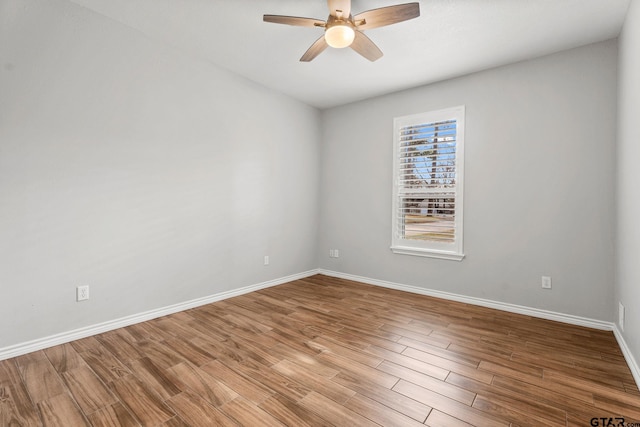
{"type": "Point", "coordinates": [342, 29]}
{"type": "Point", "coordinates": [339, 36]}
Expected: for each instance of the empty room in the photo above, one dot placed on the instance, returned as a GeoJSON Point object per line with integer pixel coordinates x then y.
{"type": "Point", "coordinates": [317, 213]}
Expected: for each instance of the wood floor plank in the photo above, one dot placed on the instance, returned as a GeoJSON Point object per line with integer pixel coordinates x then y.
{"type": "Point", "coordinates": [428, 382]}
{"type": "Point", "coordinates": [221, 349]}
{"type": "Point", "coordinates": [373, 411]}
{"type": "Point", "coordinates": [451, 352]}
{"type": "Point", "coordinates": [201, 383]}
{"type": "Point", "coordinates": [631, 388]}
{"type": "Point", "coordinates": [9, 371]}
{"type": "Point", "coordinates": [237, 382]}
{"type": "Point", "coordinates": [440, 419]}
{"type": "Point", "coordinates": [189, 351]}
{"type": "Point", "coordinates": [87, 389]}
{"type": "Point", "coordinates": [242, 322]}
{"type": "Point", "coordinates": [13, 411]}
{"type": "Point", "coordinates": [147, 407]}
{"type": "Point", "coordinates": [85, 344]}
{"type": "Point", "coordinates": [411, 363]}
{"type": "Point", "coordinates": [417, 336]}
{"type": "Point", "coordinates": [313, 381]}
{"type": "Point", "coordinates": [450, 406]}
{"type": "Point", "coordinates": [103, 363]}
{"type": "Point", "coordinates": [361, 326]}
{"type": "Point", "coordinates": [121, 344]}
{"type": "Point", "coordinates": [324, 351]}
{"type": "Point", "coordinates": [254, 350]}
{"type": "Point", "coordinates": [443, 363]}
{"type": "Point", "coordinates": [272, 305]}
{"type": "Point", "coordinates": [154, 378]}
{"type": "Point", "coordinates": [115, 415]}
{"type": "Point", "coordinates": [161, 355]}
{"type": "Point", "coordinates": [513, 371]}
{"type": "Point", "coordinates": [351, 367]}
{"type": "Point", "coordinates": [291, 414]}
{"type": "Point", "coordinates": [146, 331]}
{"type": "Point", "coordinates": [174, 422]}
{"type": "Point", "coordinates": [589, 386]}
{"type": "Point", "coordinates": [328, 345]}
{"type": "Point", "coordinates": [333, 412]}
{"type": "Point", "coordinates": [611, 379]}
{"type": "Point", "coordinates": [394, 400]}
{"type": "Point", "coordinates": [16, 402]}
{"type": "Point", "coordinates": [292, 339]}
{"type": "Point", "coordinates": [203, 329]}
{"type": "Point", "coordinates": [196, 412]}
{"type": "Point", "coordinates": [64, 357]}
{"type": "Point", "coordinates": [558, 395]}
{"type": "Point", "coordinates": [517, 411]}
{"type": "Point", "coordinates": [61, 411]}
{"type": "Point", "coordinates": [40, 378]}
{"type": "Point", "coordinates": [363, 340]}
{"type": "Point", "coordinates": [476, 351]}
{"type": "Point", "coordinates": [615, 406]}
{"type": "Point", "coordinates": [271, 379]}
{"type": "Point", "coordinates": [193, 323]}
{"type": "Point", "coordinates": [253, 312]}
{"type": "Point", "coordinates": [246, 413]}
{"type": "Point", "coordinates": [519, 406]}
{"type": "Point", "coordinates": [303, 359]}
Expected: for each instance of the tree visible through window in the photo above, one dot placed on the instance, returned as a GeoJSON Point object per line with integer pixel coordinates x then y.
{"type": "Point", "coordinates": [428, 169]}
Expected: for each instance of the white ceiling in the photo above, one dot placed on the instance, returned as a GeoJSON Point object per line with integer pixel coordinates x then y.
{"type": "Point", "coordinates": [450, 38]}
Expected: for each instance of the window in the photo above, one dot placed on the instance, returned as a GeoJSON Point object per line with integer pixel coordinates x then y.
{"type": "Point", "coordinates": [428, 178]}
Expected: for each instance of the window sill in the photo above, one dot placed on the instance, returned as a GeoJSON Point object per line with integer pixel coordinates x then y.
{"type": "Point", "coordinates": [427, 253]}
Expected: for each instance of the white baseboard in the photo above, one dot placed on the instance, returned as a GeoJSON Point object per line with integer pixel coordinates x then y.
{"type": "Point", "coordinates": [512, 308]}
{"type": "Point", "coordinates": [50, 341]}
{"type": "Point", "coordinates": [628, 356]}
{"type": "Point", "coordinates": [53, 340]}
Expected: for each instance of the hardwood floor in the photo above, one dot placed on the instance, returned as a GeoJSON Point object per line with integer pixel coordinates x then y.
{"type": "Point", "coordinates": [321, 352]}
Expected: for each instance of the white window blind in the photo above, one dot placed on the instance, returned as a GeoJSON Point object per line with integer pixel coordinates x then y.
{"type": "Point", "coordinates": [427, 199]}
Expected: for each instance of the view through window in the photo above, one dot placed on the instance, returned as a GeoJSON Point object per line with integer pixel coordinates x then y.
{"type": "Point", "coordinates": [428, 183]}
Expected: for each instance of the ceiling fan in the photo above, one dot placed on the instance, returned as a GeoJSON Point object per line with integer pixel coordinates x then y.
{"type": "Point", "coordinates": [341, 29]}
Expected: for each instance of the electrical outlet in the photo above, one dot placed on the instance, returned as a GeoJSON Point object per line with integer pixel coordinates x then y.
{"type": "Point", "coordinates": [330, 253]}
{"type": "Point", "coordinates": [266, 260]}
{"type": "Point", "coordinates": [546, 282]}
{"type": "Point", "coordinates": [621, 316]}
{"type": "Point", "coordinates": [336, 253]}
{"type": "Point", "coordinates": [82, 293]}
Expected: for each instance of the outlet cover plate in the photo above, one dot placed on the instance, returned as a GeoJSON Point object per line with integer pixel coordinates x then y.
{"type": "Point", "coordinates": [82, 293]}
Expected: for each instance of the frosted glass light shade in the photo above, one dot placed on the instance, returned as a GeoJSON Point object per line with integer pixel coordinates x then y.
{"type": "Point", "coordinates": [339, 36]}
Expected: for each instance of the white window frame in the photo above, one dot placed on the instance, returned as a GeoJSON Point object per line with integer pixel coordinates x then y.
{"type": "Point", "coordinates": [443, 250]}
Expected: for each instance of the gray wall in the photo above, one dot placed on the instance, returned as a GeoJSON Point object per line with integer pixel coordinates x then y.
{"type": "Point", "coordinates": [145, 173]}
{"type": "Point", "coordinates": [627, 284]}
{"type": "Point", "coordinates": [539, 185]}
